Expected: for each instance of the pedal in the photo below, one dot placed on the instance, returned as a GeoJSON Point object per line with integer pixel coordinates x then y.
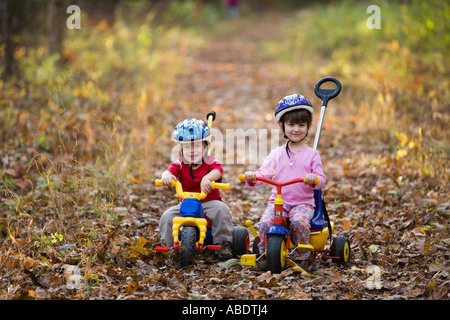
{"type": "Point", "coordinates": [214, 247]}
{"type": "Point", "coordinates": [248, 260]}
{"type": "Point", "coordinates": [161, 249]}
{"type": "Point", "coordinates": [305, 247]}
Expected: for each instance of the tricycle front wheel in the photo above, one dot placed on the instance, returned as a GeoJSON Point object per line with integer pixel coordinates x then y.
{"type": "Point", "coordinates": [255, 246]}
{"type": "Point", "coordinates": [276, 253]}
{"type": "Point", "coordinates": [187, 249]}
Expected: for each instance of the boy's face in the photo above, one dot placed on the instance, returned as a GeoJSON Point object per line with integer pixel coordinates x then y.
{"type": "Point", "coordinates": [193, 152]}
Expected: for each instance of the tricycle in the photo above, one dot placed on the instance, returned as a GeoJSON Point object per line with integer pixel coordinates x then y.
{"type": "Point", "coordinates": [277, 238]}
{"type": "Point", "coordinates": [191, 230]}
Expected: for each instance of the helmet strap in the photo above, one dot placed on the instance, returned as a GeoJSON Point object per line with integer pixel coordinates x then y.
{"type": "Point", "coordinates": [191, 171]}
{"type": "Point", "coordinates": [205, 154]}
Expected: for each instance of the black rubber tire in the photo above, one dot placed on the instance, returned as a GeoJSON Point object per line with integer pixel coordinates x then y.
{"type": "Point", "coordinates": [240, 243]}
{"type": "Point", "coordinates": [187, 250]}
{"type": "Point", "coordinates": [340, 247]}
{"type": "Point", "coordinates": [255, 247]}
{"type": "Point", "coordinates": [276, 253]}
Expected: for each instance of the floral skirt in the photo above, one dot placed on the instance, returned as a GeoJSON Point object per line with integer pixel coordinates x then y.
{"type": "Point", "coordinates": [299, 217]}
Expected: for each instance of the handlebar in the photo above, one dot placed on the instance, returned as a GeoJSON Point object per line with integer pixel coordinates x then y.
{"type": "Point", "coordinates": [193, 195]}
{"type": "Point", "coordinates": [327, 94]}
{"type": "Point", "coordinates": [278, 184]}
{"type": "Point", "coordinates": [210, 117]}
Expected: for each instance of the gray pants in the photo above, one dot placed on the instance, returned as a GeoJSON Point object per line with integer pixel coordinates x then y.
{"type": "Point", "coordinates": [216, 210]}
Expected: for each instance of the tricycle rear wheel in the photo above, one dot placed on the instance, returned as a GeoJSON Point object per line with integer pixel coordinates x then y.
{"type": "Point", "coordinates": [241, 241]}
{"type": "Point", "coordinates": [340, 248]}
{"type": "Point", "coordinates": [276, 253]}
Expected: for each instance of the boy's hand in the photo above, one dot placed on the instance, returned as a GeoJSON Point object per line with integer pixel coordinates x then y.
{"type": "Point", "coordinates": [205, 185]}
{"type": "Point", "coordinates": [167, 178]}
{"type": "Point", "coordinates": [250, 176]}
{"type": "Point", "coordinates": [310, 178]}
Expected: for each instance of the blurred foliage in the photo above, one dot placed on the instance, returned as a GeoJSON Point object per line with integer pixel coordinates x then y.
{"type": "Point", "coordinates": [102, 117]}
{"type": "Point", "coordinates": [80, 143]}
{"type": "Point", "coordinates": [71, 137]}
{"type": "Point", "coordinates": [127, 71]}
{"type": "Point", "coordinates": [395, 78]}
{"type": "Point", "coordinates": [110, 103]}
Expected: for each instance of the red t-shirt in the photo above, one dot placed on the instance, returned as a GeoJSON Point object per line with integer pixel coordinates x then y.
{"type": "Point", "coordinates": [182, 171]}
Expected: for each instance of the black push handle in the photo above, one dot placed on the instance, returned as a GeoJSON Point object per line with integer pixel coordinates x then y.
{"type": "Point", "coordinates": [213, 114]}
{"type": "Point", "coordinates": [327, 94]}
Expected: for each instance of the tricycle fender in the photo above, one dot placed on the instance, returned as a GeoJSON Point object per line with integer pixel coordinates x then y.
{"type": "Point", "coordinates": [277, 229]}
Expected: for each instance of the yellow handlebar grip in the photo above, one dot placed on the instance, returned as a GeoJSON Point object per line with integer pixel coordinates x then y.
{"type": "Point", "coordinates": [216, 185]}
{"type": "Point", "coordinates": [315, 182]}
{"type": "Point", "coordinates": [159, 183]}
{"type": "Point", "coordinates": [242, 177]}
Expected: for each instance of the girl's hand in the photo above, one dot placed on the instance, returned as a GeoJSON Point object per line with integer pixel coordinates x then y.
{"type": "Point", "coordinates": [310, 178]}
{"type": "Point", "coordinates": [167, 178]}
{"type": "Point", "coordinates": [250, 176]}
{"type": "Point", "coordinates": [205, 185]}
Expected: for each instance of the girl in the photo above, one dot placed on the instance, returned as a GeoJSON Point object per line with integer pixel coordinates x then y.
{"type": "Point", "coordinates": [295, 159]}
{"type": "Point", "coordinates": [195, 170]}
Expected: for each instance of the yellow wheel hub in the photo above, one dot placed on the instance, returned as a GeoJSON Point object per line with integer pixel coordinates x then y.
{"type": "Point", "coordinates": [283, 254]}
{"type": "Point", "coordinates": [346, 251]}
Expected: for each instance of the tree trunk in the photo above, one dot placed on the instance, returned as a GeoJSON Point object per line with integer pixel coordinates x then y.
{"type": "Point", "coordinates": [55, 22]}
{"type": "Point", "coordinates": [7, 13]}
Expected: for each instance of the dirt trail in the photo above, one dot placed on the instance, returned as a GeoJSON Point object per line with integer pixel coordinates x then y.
{"type": "Point", "coordinates": [227, 75]}
{"type": "Point", "coordinates": [231, 77]}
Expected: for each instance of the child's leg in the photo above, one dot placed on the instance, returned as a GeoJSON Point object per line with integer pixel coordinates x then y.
{"type": "Point", "coordinates": [300, 217]}
{"type": "Point", "coordinates": [267, 221]}
{"type": "Point", "coordinates": [264, 224]}
{"type": "Point", "coordinates": [165, 224]}
{"type": "Point", "coordinates": [222, 225]}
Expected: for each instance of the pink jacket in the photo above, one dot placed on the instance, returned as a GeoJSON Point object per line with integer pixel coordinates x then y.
{"type": "Point", "coordinates": [283, 168]}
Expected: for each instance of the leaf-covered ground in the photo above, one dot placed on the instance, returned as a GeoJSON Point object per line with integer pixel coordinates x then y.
{"type": "Point", "coordinates": [396, 221]}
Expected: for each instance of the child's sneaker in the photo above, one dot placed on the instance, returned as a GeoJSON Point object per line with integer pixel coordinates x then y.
{"type": "Point", "coordinates": [225, 252]}
{"type": "Point", "coordinates": [298, 255]}
{"type": "Point", "coordinates": [262, 264]}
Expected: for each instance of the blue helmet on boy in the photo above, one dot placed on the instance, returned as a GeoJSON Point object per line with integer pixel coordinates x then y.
{"type": "Point", "coordinates": [190, 130]}
{"type": "Point", "coordinates": [290, 103]}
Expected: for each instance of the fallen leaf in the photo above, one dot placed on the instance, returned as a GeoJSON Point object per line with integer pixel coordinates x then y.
{"type": "Point", "coordinates": [345, 225]}
{"type": "Point", "coordinates": [296, 267]}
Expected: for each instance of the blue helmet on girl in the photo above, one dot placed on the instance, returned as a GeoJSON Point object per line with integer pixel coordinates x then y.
{"type": "Point", "coordinates": [191, 130]}
{"type": "Point", "coordinates": [290, 103]}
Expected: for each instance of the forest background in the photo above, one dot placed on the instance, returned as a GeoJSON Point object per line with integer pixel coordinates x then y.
{"type": "Point", "coordinates": [86, 116]}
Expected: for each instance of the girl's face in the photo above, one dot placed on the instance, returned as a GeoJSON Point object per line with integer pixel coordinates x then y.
{"type": "Point", "coordinates": [193, 152]}
{"type": "Point", "coordinates": [295, 131]}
